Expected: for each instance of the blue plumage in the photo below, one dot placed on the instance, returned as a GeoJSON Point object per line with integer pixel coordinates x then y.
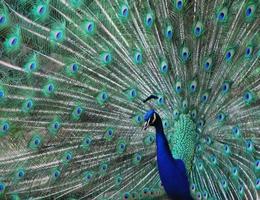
{"type": "Point", "coordinates": [172, 171]}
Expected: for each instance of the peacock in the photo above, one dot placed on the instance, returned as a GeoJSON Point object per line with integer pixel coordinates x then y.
{"type": "Point", "coordinates": [129, 99]}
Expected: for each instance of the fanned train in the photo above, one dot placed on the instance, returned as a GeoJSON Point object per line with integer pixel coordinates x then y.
{"type": "Point", "coordinates": [74, 75]}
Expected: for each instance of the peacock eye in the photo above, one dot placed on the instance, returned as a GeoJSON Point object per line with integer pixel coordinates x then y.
{"type": "Point", "coordinates": [88, 27]}
{"type": "Point", "coordinates": [208, 140]}
{"type": "Point", "coordinates": [248, 97]}
{"type": "Point", "coordinates": [138, 118]}
{"type": "Point", "coordinates": [87, 141]}
{"type": "Point", "coordinates": [110, 132]}
{"type": "Point", "coordinates": [213, 159]}
{"type": "Point", "coordinates": [2, 19]}
{"type": "Point", "coordinates": [56, 125]}
{"type": "Point", "coordinates": [79, 110]}
{"type": "Point", "coordinates": [58, 35]}
{"type": "Point", "coordinates": [179, 4]}
{"type": "Point", "coordinates": [165, 123]}
{"type": "Point", "coordinates": [236, 131]}
{"type": "Point", "coordinates": [176, 114]}
{"type": "Point", "coordinates": [250, 10]}
{"type": "Point", "coordinates": [193, 187]}
{"type": "Point", "coordinates": [193, 114]}
{"type": "Point", "coordinates": [207, 64]}
{"type": "Point", "coordinates": [220, 117]}
{"type": "Point", "coordinates": [121, 146]}
{"type": "Point", "coordinates": [258, 183]}
{"type": "Point", "coordinates": [126, 195]}
{"type": "Point", "coordinates": [5, 127]}
{"type": "Point", "coordinates": [56, 174]}
{"type": "Point", "coordinates": [68, 156]}
{"type": "Point", "coordinates": [160, 100]}
{"type": "Point", "coordinates": [2, 187]}
{"type": "Point", "coordinates": [225, 87]}
{"type": "Point", "coordinates": [13, 41]}
{"type": "Point", "coordinates": [119, 179]}
{"type": "Point", "coordinates": [193, 86]}
{"type": "Point", "coordinates": [222, 15]}
{"type": "Point", "coordinates": [104, 96]}
{"type": "Point", "coordinates": [204, 97]}
{"type": "Point", "coordinates": [124, 11]}
{"type": "Point", "coordinates": [41, 9]}
{"type": "Point", "coordinates": [21, 174]}
{"type": "Point", "coordinates": [138, 57]}
{"type": "Point", "coordinates": [106, 58]}
{"type": "Point", "coordinates": [164, 67]}
{"type": "Point", "coordinates": [133, 93]}
{"type": "Point", "coordinates": [249, 51]}
{"type": "Point", "coordinates": [37, 141]}
{"type": "Point", "coordinates": [234, 171]}
{"type": "Point", "coordinates": [198, 195]}
{"type": "Point", "coordinates": [169, 32]}
{"type": "Point", "coordinates": [32, 66]}
{"type": "Point", "coordinates": [185, 104]}
{"type": "Point", "coordinates": [205, 195]}
{"type": "Point", "coordinates": [50, 87]}
{"type": "Point", "coordinates": [185, 54]}
{"type": "Point", "coordinates": [29, 104]}
{"type": "Point", "coordinates": [249, 145]}
{"type": "Point", "coordinates": [226, 149]}
{"type": "Point", "coordinates": [74, 67]}
{"type": "Point", "coordinates": [149, 20]}
{"type": "Point", "coordinates": [229, 55]}
{"type": "Point", "coordinates": [178, 87]}
{"type": "Point", "coordinates": [200, 123]}
{"type": "Point", "coordinates": [198, 29]}
{"type": "Point", "coordinates": [200, 165]}
{"type": "Point", "coordinates": [2, 94]}
{"type": "Point", "coordinates": [224, 183]}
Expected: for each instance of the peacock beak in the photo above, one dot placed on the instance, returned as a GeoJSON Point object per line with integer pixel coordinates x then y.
{"type": "Point", "coordinates": [146, 124]}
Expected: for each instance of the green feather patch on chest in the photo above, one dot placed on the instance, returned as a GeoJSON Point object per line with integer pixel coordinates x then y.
{"type": "Point", "coordinates": [183, 139]}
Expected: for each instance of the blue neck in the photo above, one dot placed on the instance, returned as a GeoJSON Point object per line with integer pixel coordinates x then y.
{"type": "Point", "coordinates": [163, 148]}
{"type": "Point", "coordinates": [172, 171]}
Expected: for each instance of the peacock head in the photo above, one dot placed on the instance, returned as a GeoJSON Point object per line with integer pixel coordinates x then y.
{"type": "Point", "coordinates": [151, 118]}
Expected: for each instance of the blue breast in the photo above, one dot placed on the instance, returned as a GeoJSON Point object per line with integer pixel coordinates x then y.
{"type": "Point", "coordinates": [172, 171]}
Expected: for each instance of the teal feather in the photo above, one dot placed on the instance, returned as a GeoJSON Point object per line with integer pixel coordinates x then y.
{"type": "Point", "coordinates": [73, 77]}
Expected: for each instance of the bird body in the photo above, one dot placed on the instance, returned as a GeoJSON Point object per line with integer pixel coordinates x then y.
{"type": "Point", "coordinates": [172, 171]}
{"type": "Point", "coordinates": [73, 77]}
